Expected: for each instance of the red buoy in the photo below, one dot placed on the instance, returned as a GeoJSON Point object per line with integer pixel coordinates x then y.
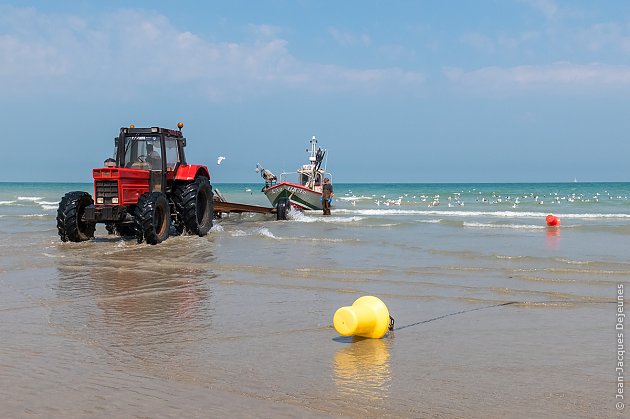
{"type": "Point", "coordinates": [553, 221]}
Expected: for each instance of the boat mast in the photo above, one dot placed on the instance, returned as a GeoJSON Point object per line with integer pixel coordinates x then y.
{"type": "Point", "coordinates": [313, 162]}
{"type": "Point", "coordinates": [312, 157]}
{"type": "Point", "coordinates": [312, 169]}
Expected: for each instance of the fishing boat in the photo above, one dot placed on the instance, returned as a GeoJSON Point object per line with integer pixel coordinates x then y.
{"type": "Point", "coordinates": [306, 192]}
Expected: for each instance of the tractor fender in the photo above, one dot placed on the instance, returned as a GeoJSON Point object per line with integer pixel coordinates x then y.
{"type": "Point", "coordinates": [191, 171]}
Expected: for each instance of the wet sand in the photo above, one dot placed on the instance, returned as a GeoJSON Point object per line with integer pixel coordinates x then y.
{"type": "Point", "coordinates": [111, 329]}
{"type": "Point", "coordinates": [239, 323]}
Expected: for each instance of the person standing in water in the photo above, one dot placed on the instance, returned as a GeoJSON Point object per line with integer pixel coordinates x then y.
{"type": "Point", "coordinates": [327, 194]}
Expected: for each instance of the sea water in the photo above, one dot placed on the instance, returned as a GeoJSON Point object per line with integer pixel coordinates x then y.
{"type": "Point", "coordinates": [239, 322]}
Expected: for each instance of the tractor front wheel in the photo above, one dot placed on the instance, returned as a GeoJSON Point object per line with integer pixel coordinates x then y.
{"type": "Point", "coordinates": [195, 205]}
{"type": "Point", "coordinates": [152, 218]}
{"type": "Point", "coordinates": [70, 223]}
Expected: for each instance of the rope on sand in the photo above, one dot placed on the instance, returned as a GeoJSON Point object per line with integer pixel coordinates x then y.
{"type": "Point", "coordinates": [501, 305]}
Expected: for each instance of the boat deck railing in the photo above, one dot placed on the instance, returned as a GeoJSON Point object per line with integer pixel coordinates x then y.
{"type": "Point", "coordinates": [284, 174]}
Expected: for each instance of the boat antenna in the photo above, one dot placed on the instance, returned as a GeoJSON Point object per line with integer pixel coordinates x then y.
{"type": "Point", "coordinates": [313, 157]}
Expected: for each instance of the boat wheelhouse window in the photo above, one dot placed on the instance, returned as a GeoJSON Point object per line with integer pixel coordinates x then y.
{"type": "Point", "coordinates": [303, 179]}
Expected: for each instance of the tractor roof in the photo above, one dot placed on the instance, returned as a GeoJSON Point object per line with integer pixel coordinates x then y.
{"type": "Point", "coordinates": [152, 130]}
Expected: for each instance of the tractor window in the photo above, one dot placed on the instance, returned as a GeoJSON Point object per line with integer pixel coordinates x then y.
{"type": "Point", "coordinates": [172, 156]}
{"type": "Point", "coordinates": [143, 152]}
{"type": "Point", "coordinates": [154, 155]}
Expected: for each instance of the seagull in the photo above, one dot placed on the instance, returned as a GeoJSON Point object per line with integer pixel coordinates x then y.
{"type": "Point", "coordinates": [220, 159]}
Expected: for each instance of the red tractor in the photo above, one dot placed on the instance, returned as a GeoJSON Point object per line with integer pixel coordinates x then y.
{"type": "Point", "coordinates": [146, 191]}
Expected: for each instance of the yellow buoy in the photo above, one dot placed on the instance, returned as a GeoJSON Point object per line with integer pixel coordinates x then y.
{"type": "Point", "coordinates": [367, 317]}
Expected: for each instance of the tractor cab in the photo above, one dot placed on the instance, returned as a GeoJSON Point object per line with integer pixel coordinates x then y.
{"type": "Point", "coordinates": [158, 150]}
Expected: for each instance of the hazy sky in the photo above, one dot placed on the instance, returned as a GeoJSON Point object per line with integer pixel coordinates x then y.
{"type": "Point", "coordinates": [411, 91]}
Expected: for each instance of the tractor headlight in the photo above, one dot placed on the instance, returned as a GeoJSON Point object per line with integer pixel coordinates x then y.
{"type": "Point", "coordinates": [99, 200]}
{"type": "Point", "coordinates": [114, 200]}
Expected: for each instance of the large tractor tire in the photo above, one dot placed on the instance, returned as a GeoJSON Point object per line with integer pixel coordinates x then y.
{"type": "Point", "coordinates": [70, 223]}
{"type": "Point", "coordinates": [282, 208]}
{"type": "Point", "coordinates": [195, 206]}
{"type": "Point", "coordinates": [152, 218]}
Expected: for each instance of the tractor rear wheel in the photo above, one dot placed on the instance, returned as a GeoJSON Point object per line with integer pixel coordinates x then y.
{"type": "Point", "coordinates": [195, 205]}
{"type": "Point", "coordinates": [152, 218]}
{"type": "Point", "coordinates": [70, 223]}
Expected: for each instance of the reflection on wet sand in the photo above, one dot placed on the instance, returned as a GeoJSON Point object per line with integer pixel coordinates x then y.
{"type": "Point", "coordinates": [135, 307]}
{"type": "Point", "coordinates": [136, 296]}
{"type": "Point", "coordinates": [362, 368]}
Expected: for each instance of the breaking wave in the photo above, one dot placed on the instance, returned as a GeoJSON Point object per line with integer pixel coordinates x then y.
{"type": "Point", "coordinates": [30, 198]}
{"type": "Point", "coordinates": [264, 232]}
{"type": "Point", "coordinates": [301, 217]}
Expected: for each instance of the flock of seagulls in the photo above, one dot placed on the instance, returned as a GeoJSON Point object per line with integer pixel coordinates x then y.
{"type": "Point", "coordinates": [554, 197]}
{"type": "Point", "coordinates": [455, 199]}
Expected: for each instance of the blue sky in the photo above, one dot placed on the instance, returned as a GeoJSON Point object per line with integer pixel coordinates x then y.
{"type": "Point", "coordinates": [400, 91]}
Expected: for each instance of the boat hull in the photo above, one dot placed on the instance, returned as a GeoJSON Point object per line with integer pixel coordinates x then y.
{"type": "Point", "coordinates": [299, 196]}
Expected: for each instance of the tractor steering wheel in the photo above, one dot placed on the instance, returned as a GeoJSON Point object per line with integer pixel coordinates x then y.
{"type": "Point", "coordinates": [142, 158]}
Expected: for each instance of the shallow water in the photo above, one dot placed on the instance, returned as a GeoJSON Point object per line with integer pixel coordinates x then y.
{"type": "Point", "coordinates": [239, 322]}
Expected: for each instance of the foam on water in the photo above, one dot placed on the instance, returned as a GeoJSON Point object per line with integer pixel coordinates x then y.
{"type": "Point", "coordinates": [301, 217]}
{"type": "Point", "coordinates": [217, 227]}
{"type": "Point", "coordinates": [384, 225]}
{"type": "Point", "coordinates": [513, 226]}
{"type": "Point", "coordinates": [48, 255]}
{"type": "Point", "coordinates": [30, 198]}
{"type": "Point", "coordinates": [574, 262]}
{"type": "Point", "coordinates": [264, 232]}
